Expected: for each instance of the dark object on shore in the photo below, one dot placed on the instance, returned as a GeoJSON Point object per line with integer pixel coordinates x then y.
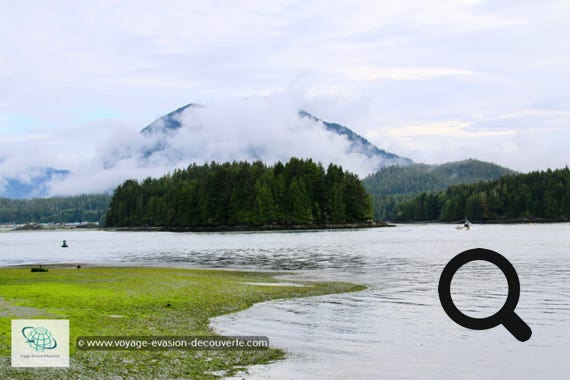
{"type": "Point", "coordinates": [78, 267]}
{"type": "Point", "coordinates": [64, 244]}
{"type": "Point", "coordinates": [40, 269]}
{"type": "Point", "coordinates": [88, 226]}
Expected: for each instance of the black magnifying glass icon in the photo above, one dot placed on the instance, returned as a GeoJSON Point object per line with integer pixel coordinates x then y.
{"type": "Point", "coordinates": [506, 316]}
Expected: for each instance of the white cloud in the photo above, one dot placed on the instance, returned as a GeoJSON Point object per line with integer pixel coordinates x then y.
{"type": "Point", "coordinates": [446, 128]}
{"type": "Point", "coordinates": [525, 139]}
{"type": "Point", "coordinates": [267, 129]}
{"type": "Point", "coordinates": [462, 75]}
{"type": "Point", "coordinates": [404, 73]}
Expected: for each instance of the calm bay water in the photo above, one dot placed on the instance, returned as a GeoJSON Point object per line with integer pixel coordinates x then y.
{"type": "Point", "coordinates": [396, 329]}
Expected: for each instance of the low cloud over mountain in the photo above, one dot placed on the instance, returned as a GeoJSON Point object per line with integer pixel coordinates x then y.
{"type": "Point", "coordinates": [266, 129]}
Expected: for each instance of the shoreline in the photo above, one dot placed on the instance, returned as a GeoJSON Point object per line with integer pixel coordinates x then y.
{"type": "Point", "coordinates": [130, 266]}
{"type": "Point", "coordinates": [182, 306]}
{"type": "Point", "coordinates": [491, 221]}
{"type": "Point", "coordinates": [257, 228]}
{"type": "Point", "coordinates": [269, 227]}
{"type": "Point", "coordinates": [221, 228]}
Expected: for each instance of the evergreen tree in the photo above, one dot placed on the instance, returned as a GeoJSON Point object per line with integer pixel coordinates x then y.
{"type": "Point", "coordinates": [298, 203]}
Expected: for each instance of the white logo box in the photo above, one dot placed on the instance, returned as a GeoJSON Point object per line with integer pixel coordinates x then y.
{"type": "Point", "coordinates": [40, 343]}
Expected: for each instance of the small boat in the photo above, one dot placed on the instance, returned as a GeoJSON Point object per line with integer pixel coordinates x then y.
{"type": "Point", "coordinates": [466, 225]}
{"type": "Point", "coordinates": [64, 244]}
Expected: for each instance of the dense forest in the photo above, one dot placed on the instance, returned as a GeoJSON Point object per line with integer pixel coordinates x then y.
{"type": "Point", "coordinates": [536, 195]}
{"type": "Point", "coordinates": [76, 209]}
{"type": "Point", "coordinates": [396, 184]}
{"type": "Point", "coordinates": [239, 193]}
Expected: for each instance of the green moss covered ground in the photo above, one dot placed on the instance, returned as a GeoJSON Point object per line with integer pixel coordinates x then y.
{"type": "Point", "coordinates": [107, 301]}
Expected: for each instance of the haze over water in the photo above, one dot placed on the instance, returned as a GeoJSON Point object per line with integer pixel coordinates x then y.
{"type": "Point", "coordinates": [396, 329]}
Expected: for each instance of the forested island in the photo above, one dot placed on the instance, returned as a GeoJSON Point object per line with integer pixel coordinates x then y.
{"type": "Point", "coordinates": [539, 195]}
{"type": "Point", "coordinates": [299, 192]}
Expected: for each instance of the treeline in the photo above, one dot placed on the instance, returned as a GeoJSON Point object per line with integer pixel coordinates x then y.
{"type": "Point", "coordinates": [239, 193]}
{"type": "Point", "coordinates": [394, 185]}
{"type": "Point", "coordinates": [76, 209]}
{"type": "Point", "coordinates": [536, 195]}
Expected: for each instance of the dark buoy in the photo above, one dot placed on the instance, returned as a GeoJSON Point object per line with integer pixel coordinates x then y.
{"type": "Point", "coordinates": [64, 244]}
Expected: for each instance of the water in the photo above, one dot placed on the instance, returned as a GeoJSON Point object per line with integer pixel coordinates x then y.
{"type": "Point", "coordinates": [396, 329]}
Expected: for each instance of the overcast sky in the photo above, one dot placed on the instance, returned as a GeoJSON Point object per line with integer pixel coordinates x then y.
{"type": "Point", "coordinates": [435, 81]}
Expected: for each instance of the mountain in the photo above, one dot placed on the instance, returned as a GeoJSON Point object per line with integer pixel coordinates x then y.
{"type": "Point", "coordinates": [358, 145]}
{"type": "Point", "coordinates": [418, 178]}
{"type": "Point", "coordinates": [392, 185]}
{"type": "Point", "coordinates": [244, 131]}
{"type": "Point", "coordinates": [170, 121]}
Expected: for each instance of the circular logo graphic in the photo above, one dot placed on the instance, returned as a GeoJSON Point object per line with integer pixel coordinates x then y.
{"type": "Point", "coordinates": [39, 338]}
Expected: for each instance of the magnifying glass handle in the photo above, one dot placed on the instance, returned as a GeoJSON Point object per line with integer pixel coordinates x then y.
{"type": "Point", "coordinates": [517, 327]}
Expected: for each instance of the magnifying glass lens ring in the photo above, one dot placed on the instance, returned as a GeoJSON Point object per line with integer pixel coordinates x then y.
{"type": "Point", "coordinates": [479, 254]}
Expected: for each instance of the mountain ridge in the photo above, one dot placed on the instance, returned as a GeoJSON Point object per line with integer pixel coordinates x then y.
{"type": "Point", "coordinates": [369, 149]}
{"type": "Point", "coordinates": [358, 144]}
{"type": "Point", "coordinates": [157, 138]}
{"type": "Point", "coordinates": [435, 177]}
{"type": "Point", "coordinates": [169, 121]}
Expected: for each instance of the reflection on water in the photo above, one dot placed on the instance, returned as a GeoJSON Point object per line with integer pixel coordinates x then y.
{"type": "Point", "coordinates": [396, 329]}
{"type": "Point", "coordinates": [296, 258]}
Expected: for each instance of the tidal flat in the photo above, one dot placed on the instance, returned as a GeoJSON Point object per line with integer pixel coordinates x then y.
{"type": "Point", "coordinates": [142, 301]}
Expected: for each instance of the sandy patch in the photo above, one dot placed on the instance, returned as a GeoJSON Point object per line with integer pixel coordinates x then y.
{"type": "Point", "coordinates": [9, 310]}
{"type": "Point", "coordinates": [273, 284]}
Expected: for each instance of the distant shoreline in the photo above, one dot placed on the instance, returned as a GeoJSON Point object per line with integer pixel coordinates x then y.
{"type": "Point", "coordinates": [222, 228]}
{"type": "Point", "coordinates": [492, 221]}
{"type": "Point", "coordinates": [257, 228]}
{"type": "Point", "coordinates": [271, 227]}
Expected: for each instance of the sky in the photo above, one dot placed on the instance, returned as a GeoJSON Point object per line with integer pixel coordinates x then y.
{"type": "Point", "coordinates": [435, 81]}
